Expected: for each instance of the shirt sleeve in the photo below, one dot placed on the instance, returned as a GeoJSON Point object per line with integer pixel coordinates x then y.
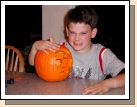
{"type": "Point", "coordinates": [122, 71]}
{"type": "Point", "coordinates": [111, 64]}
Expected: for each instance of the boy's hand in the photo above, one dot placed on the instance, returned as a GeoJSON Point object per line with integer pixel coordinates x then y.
{"type": "Point", "coordinates": [43, 45]}
{"type": "Point", "coordinates": [97, 88]}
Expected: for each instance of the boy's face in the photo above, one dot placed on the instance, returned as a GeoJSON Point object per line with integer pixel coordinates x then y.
{"type": "Point", "coordinates": [79, 36]}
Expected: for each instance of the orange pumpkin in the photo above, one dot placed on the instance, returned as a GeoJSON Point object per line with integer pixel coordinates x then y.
{"type": "Point", "coordinates": [54, 66]}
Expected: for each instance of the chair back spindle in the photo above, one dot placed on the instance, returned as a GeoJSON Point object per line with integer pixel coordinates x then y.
{"type": "Point", "coordinates": [14, 59]}
{"type": "Point", "coordinates": [7, 60]}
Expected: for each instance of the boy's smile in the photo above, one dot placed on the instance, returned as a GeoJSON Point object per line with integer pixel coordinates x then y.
{"type": "Point", "coordinates": [79, 36]}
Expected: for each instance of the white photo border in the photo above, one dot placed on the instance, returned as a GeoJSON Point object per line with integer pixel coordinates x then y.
{"type": "Point", "coordinates": [72, 3]}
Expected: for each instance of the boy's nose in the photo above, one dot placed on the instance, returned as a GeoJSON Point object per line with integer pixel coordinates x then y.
{"type": "Point", "coordinates": [77, 37]}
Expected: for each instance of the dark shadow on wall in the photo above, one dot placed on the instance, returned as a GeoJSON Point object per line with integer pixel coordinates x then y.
{"type": "Point", "coordinates": [111, 28]}
{"type": "Point", "coordinates": [20, 22]}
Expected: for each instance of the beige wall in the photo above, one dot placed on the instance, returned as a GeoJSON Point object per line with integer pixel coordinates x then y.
{"type": "Point", "coordinates": [53, 21]}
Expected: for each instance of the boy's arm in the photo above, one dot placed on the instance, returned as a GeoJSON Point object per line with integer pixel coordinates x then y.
{"type": "Point", "coordinates": [32, 55]}
{"type": "Point", "coordinates": [117, 81]}
{"type": "Point", "coordinates": [106, 85]}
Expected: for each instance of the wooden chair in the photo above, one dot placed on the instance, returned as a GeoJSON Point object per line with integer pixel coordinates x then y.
{"type": "Point", "coordinates": [14, 59]}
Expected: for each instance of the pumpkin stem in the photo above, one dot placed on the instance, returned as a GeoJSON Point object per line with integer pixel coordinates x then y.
{"type": "Point", "coordinates": [51, 38]}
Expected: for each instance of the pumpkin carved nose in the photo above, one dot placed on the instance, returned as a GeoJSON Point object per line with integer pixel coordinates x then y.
{"type": "Point", "coordinates": [58, 62]}
{"type": "Point", "coordinates": [62, 61]}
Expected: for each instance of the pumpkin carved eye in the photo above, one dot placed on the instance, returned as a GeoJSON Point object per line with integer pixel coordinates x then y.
{"type": "Point", "coordinates": [53, 66]}
{"type": "Point", "coordinates": [59, 58]}
{"type": "Point", "coordinates": [62, 58]}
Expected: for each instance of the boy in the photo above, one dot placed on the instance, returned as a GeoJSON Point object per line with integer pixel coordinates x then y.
{"type": "Point", "coordinates": [81, 28]}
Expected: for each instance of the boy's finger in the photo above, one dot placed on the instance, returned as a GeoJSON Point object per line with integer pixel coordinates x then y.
{"type": "Point", "coordinates": [45, 51]}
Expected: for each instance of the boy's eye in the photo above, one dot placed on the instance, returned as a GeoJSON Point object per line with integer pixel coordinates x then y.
{"type": "Point", "coordinates": [83, 33]}
{"type": "Point", "coordinates": [72, 32]}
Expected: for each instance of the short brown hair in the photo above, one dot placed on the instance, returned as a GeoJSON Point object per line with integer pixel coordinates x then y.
{"type": "Point", "coordinates": [82, 14]}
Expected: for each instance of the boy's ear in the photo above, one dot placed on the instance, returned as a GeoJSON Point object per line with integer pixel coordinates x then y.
{"type": "Point", "coordinates": [94, 32]}
{"type": "Point", "coordinates": [67, 30]}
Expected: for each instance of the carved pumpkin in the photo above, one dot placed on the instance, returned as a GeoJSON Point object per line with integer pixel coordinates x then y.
{"type": "Point", "coordinates": [54, 66]}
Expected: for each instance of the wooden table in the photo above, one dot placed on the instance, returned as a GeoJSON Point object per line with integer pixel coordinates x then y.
{"type": "Point", "coordinates": [31, 84]}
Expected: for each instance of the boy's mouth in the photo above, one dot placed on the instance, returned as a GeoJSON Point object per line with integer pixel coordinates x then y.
{"type": "Point", "coordinates": [77, 44]}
